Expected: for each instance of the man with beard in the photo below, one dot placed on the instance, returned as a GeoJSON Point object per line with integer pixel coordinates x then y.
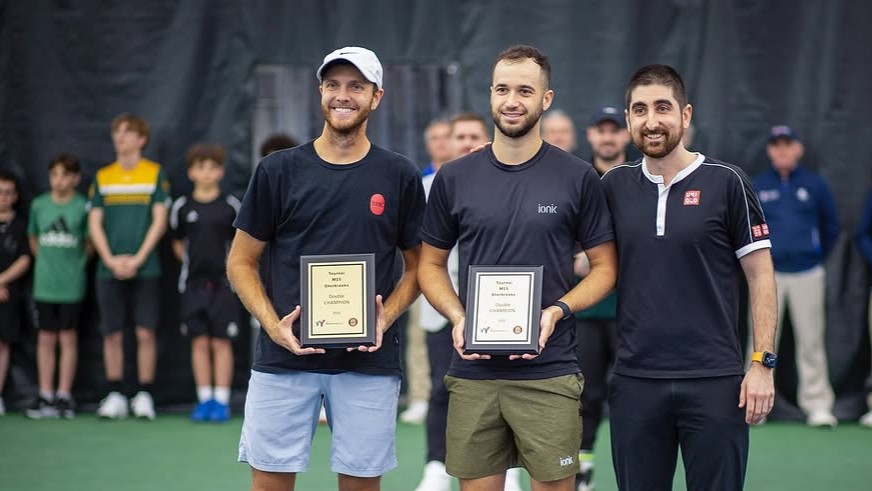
{"type": "Point", "coordinates": [338, 194]}
{"type": "Point", "coordinates": [687, 227]}
{"type": "Point", "coordinates": [520, 201]}
{"type": "Point", "coordinates": [595, 327]}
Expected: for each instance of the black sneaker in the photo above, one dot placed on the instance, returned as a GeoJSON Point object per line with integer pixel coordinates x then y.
{"type": "Point", "coordinates": [42, 408]}
{"type": "Point", "coordinates": [66, 408]}
{"type": "Point", "coordinates": [584, 481]}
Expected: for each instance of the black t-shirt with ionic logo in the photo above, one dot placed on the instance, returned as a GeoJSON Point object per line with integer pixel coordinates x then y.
{"type": "Point", "coordinates": [530, 214]}
{"type": "Point", "coordinates": [300, 205]}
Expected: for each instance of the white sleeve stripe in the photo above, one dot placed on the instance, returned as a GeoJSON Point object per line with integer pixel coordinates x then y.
{"type": "Point", "coordinates": [744, 195]}
{"type": "Point", "coordinates": [753, 246]}
{"type": "Point", "coordinates": [174, 212]}
{"type": "Point", "coordinates": [234, 203]}
{"type": "Point", "coordinates": [619, 166]}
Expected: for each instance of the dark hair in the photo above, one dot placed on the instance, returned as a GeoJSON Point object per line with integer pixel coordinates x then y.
{"type": "Point", "coordinates": [276, 142]}
{"type": "Point", "coordinates": [658, 75]}
{"type": "Point", "coordinates": [9, 177]}
{"type": "Point", "coordinates": [134, 122]}
{"type": "Point", "coordinates": [520, 52]}
{"type": "Point", "coordinates": [68, 161]}
{"type": "Point", "coordinates": [205, 151]}
{"type": "Point", "coordinates": [469, 116]}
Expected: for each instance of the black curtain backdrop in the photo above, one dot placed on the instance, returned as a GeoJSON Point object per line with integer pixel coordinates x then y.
{"type": "Point", "coordinates": [188, 67]}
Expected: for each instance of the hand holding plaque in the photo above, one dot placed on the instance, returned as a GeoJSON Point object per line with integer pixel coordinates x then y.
{"type": "Point", "coordinates": [503, 310]}
{"type": "Point", "coordinates": [338, 298]}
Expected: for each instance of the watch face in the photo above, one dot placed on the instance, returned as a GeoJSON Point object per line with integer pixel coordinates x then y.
{"type": "Point", "coordinates": [769, 360]}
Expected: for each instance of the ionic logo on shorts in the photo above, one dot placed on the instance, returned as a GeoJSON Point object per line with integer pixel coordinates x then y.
{"type": "Point", "coordinates": [566, 461]}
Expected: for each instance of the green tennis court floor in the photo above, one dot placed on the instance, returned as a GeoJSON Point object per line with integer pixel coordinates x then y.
{"type": "Point", "coordinates": [174, 454]}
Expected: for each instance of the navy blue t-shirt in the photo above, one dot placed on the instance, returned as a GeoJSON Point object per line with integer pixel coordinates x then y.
{"type": "Point", "coordinates": [207, 230]}
{"type": "Point", "coordinates": [530, 214]}
{"type": "Point", "coordinates": [679, 272]}
{"type": "Point", "coordinates": [302, 205]}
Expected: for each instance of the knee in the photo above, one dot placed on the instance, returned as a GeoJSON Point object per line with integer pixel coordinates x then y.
{"type": "Point", "coordinates": [144, 335]}
{"type": "Point", "coordinates": [47, 339]}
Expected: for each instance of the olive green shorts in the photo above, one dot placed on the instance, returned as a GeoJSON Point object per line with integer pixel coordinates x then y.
{"type": "Point", "coordinates": [494, 425]}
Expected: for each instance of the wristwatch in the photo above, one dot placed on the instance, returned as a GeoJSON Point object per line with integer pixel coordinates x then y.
{"type": "Point", "coordinates": [765, 358]}
{"type": "Point", "coordinates": [567, 312]}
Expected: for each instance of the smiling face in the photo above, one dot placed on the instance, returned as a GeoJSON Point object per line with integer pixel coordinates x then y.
{"type": "Point", "coordinates": [655, 120]}
{"type": "Point", "coordinates": [519, 95]}
{"type": "Point", "coordinates": [347, 98]}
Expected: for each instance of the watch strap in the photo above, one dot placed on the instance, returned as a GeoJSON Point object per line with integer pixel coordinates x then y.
{"type": "Point", "coordinates": [567, 312]}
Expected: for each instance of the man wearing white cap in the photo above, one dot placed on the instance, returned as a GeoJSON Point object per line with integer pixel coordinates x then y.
{"type": "Point", "coordinates": [338, 194]}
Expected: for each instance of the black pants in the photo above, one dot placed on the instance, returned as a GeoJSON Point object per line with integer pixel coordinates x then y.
{"type": "Point", "coordinates": [651, 419]}
{"type": "Point", "coordinates": [596, 355]}
{"type": "Point", "coordinates": [440, 347]}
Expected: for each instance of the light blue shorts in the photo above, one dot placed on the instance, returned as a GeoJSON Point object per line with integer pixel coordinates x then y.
{"type": "Point", "coordinates": [281, 414]}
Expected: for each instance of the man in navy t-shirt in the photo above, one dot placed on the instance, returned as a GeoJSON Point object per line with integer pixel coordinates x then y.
{"type": "Point", "coordinates": [687, 227]}
{"type": "Point", "coordinates": [338, 194]}
{"type": "Point", "coordinates": [519, 202]}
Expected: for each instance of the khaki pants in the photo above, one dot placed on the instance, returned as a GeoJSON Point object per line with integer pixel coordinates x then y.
{"type": "Point", "coordinates": [417, 363]}
{"type": "Point", "coordinates": [803, 293]}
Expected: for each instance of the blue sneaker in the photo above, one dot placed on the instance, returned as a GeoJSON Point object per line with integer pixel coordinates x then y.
{"type": "Point", "coordinates": [203, 411]}
{"type": "Point", "coordinates": [219, 413]}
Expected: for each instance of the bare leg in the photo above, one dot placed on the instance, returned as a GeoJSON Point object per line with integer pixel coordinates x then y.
{"type": "Point", "coordinates": [146, 354]}
{"type": "Point", "coordinates": [565, 484]}
{"type": "Point", "coordinates": [490, 483]}
{"type": "Point", "coordinates": [69, 359]}
{"type": "Point", "coordinates": [200, 361]}
{"type": "Point", "coordinates": [113, 356]}
{"type": "Point", "coordinates": [272, 481]}
{"type": "Point", "coordinates": [46, 359]}
{"type": "Point", "coordinates": [222, 355]}
{"type": "Point", "coordinates": [4, 363]}
{"type": "Point", "coordinates": [351, 483]}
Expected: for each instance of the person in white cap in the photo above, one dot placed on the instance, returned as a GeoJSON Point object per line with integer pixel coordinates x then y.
{"type": "Point", "coordinates": [338, 194]}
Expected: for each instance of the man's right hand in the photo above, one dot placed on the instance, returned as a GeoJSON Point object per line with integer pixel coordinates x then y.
{"type": "Point", "coordinates": [283, 335]}
{"type": "Point", "coordinates": [458, 334]}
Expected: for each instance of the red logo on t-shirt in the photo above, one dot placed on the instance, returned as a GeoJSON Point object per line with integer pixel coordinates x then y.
{"type": "Point", "coordinates": [760, 231]}
{"type": "Point", "coordinates": [377, 204]}
{"type": "Point", "coordinates": [691, 198]}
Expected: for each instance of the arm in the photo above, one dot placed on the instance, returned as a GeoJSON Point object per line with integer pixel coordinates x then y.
{"type": "Point", "coordinates": [152, 237]}
{"type": "Point", "coordinates": [242, 263]}
{"type": "Point", "coordinates": [594, 287]}
{"type": "Point", "coordinates": [15, 270]}
{"type": "Point", "coordinates": [99, 241]}
{"type": "Point", "coordinates": [436, 286]}
{"type": "Point", "coordinates": [758, 387]}
{"type": "Point", "coordinates": [403, 295]}
{"type": "Point", "coordinates": [33, 241]}
{"type": "Point", "coordinates": [179, 249]}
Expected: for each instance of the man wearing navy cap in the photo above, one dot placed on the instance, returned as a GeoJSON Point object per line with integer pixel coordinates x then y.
{"type": "Point", "coordinates": [803, 228]}
{"type": "Point", "coordinates": [338, 194]}
{"type": "Point", "coordinates": [687, 228]}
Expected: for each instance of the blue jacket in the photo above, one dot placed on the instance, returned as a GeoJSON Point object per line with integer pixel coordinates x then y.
{"type": "Point", "coordinates": [802, 218]}
{"type": "Point", "coordinates": [864, 232]}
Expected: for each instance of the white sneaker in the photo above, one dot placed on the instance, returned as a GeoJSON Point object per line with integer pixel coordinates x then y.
{"type": "Point", "coordinates": [513, 479]}
{"type": "Point", "coordinates": [142, 405]}
{"type": "Point", "coordinates": [114, 406]}
{"type": "Point", "coordinates": [435, 478]}
{"type": "Point", "coordinates": [865, 420]}
{"type": "Point", "coordinates": [416, 413]}
{"type": "Point", "coordinates": [821, 419]}
{"type": "Point", "coordinates": [2, 407]}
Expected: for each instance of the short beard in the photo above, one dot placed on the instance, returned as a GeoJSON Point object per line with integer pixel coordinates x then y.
{"type": "Point", "coordinates": [528, 124]}
{"type": "Point", "coordinates": [669, 143]}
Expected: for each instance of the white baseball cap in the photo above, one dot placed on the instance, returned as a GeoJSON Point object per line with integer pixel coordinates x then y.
{"type": "Point", "coordinates": [365, 60]}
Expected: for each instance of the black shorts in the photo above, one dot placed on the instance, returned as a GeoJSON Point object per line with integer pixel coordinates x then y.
{"type": "Point", "coordinates": [117, 298]}
{"type": "Point", "coordinates": [209, 308]}
{"type": "Point", "coordinates": [11, 317]}
{"type": "Point", "coordinates": [53, 317]}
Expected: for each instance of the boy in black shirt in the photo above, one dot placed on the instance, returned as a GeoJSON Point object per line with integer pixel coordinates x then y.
{"type": "Point", "coordinates": [202, 228]}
